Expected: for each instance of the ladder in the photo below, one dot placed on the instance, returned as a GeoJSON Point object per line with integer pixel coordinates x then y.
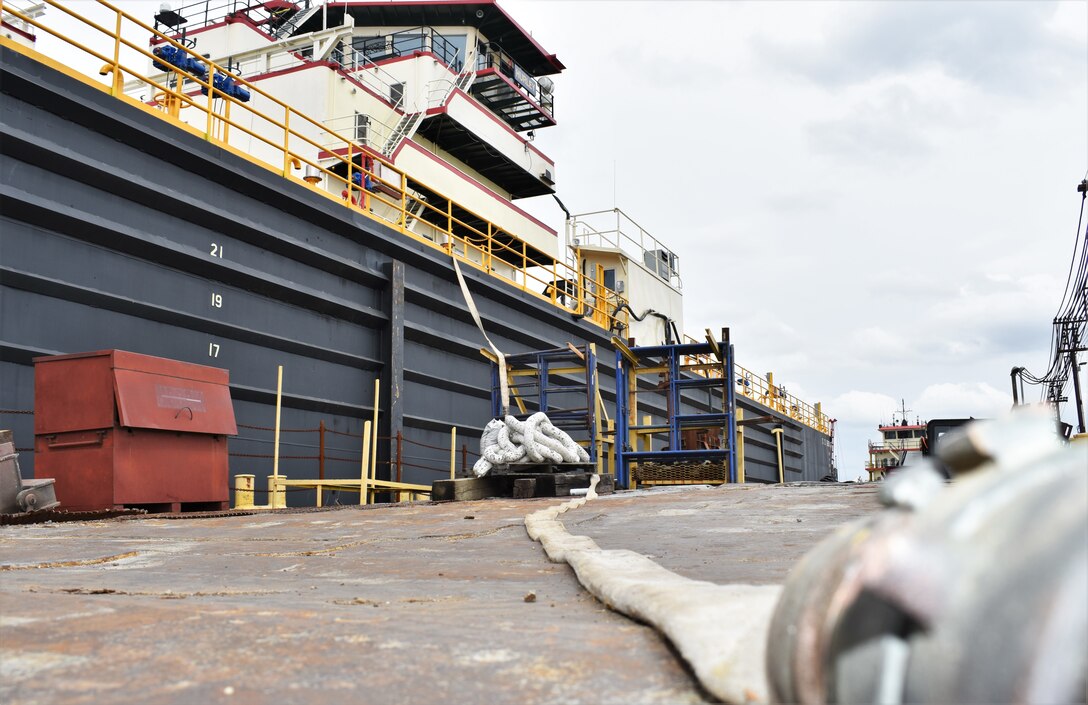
{"type": "Point", "coordinates": [407, 125]}
{"type": "Point", "coordinates": [403, 130]}
{"type": "Point", "coordinates": [295, 21]}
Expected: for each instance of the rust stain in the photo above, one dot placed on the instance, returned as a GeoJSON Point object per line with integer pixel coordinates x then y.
{"type": "Point", "coordinates": [472, 535]}
{"type": "Point", "coordinates": [72, 564]}
{"type": "Point", "coordinates": [314, 551]}
{"type": "Point", "coordinates": [165, 595]}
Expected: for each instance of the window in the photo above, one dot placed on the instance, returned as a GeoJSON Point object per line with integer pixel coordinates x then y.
{"type": "Point", "coordinates": [408, 43]}
{"type": "Point", "coordinates": [362, 128]}
{"type": "Point", "coordinates": [454, 54]}
{"type": "Point", "coordinates": [396, 93]}
{"type": "Point", "coordinates": [373, 48]}
{"type": "Point", "coordinates": [610, 279]}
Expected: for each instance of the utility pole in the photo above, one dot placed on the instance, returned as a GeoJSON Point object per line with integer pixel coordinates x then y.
{"type": "Point", "coordinates": [1014, 374]}
{"type": "Point", "coordinates": [1074, 369]}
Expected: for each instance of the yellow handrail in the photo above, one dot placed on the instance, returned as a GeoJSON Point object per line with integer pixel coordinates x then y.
{"type": "Point", "coordinates": [759, 389]}
{"type": "Point", "coordinates": [592, 300]}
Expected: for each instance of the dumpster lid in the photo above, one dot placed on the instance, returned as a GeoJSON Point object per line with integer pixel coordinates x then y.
{"type": "Point", "coordinates": [148, 400]}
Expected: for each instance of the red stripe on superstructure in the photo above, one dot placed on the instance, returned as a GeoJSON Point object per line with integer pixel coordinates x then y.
{"type": "Point", "coordinates": [333, 66]}
{"type": "Point", "coordinates": [444, 109]}
{"type": "Point", "coordinates": [551, 59]}
{"type": "Point", "coordinates": [325, 154]}
{"type": "Point", "coordinates": [457, 172]}
{"type": "Point", "coordinates": [21, 32]}
{"type": "Point", "coordinates": [498, 121]}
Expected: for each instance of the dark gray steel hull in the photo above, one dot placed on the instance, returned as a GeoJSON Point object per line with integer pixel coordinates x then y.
{"type": "Point", "coordinates": [118, 230]}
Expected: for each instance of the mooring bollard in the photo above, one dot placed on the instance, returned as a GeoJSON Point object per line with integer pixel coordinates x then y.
{"type": "Point", "coordinates": [243, 491]}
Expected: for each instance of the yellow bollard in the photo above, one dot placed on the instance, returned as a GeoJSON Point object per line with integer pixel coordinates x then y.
{"type": "Point", "coordinates": [277, 493]}
{"type": "Point", "coordinates": [453, 452]}
{"type": "Point", "coordinates": [364, 471]}
{"type": "Point", "coordinates": [243, 491]}
{"type": "Point", "coordinates": [276, 437]}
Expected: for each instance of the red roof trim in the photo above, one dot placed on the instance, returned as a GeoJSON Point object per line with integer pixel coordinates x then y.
{"type": "Point", "coordinates": [551, 59]}
{"type": "Point", "coordinates": [505, 201]}
{"type": "Point", "coordinates": [22, 32]}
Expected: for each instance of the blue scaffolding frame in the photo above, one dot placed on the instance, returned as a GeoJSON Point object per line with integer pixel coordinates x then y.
{"type": "Point", "coordinates": [668, 359]}
{"type": "Point", "coordinates": [539, 379]}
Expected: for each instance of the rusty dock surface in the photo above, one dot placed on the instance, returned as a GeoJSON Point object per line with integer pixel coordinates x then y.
{"type": "Point", "coordinates": [418, 603]}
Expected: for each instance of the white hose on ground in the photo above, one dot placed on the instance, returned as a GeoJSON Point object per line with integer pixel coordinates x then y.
{"type": "Point", "coordinates": [534, 440]}
{"type": "Point", "coordinates": [720, 630]}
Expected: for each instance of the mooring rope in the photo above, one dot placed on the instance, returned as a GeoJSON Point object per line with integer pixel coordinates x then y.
{"type": "Point", "coordinates": [504, 384]}
{"type": "Point", "coordinates": [720, 630]}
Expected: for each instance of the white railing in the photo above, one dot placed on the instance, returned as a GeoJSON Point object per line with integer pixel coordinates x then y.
{"type": "Point", "coordinates": [615, 229]}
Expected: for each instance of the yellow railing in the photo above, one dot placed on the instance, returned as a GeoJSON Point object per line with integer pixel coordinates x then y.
{"type": "Point", "coordinates": [763, 390]}
{"type": "Point", "coordinates": [392, 198]}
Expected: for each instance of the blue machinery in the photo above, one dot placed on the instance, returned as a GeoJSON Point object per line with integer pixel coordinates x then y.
{"type": "Point", "coordinates": [179, 59]}
{"type": "Point", "coordinates": [687, 366]}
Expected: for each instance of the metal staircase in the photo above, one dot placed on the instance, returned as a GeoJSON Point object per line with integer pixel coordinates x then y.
{"type": "Point", "coordinates": [408, 124]}
{"type": "Point", "coordinates": [295, 21]}
{"type": "Point", "coordinates": [403, 130]}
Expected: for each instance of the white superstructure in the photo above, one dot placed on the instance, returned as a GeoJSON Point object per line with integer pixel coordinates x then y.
{"type": "Point", "coordinates": [449, 94]}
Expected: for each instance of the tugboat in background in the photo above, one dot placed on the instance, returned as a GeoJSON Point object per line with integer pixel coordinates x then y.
{"type": "Point", "coordinates": [900, 441]}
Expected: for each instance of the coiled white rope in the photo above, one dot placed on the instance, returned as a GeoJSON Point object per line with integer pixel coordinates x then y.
{"type": "Point", "coordinates": [535, 440]}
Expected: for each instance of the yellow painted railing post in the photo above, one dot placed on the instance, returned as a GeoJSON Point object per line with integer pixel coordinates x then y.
{"type": "Point", "coordinates": [286, 147]}
{"type": "Point", "coordinates": [403, 200]}
{"type": "Point", "coordinates": [277, 492]}
{"type": "Point", "coordinates": [777, 432]}
{"type": "Point", "coordinates": [243, 491]}
{"type": "Point", "coordinates": [490, 235]}
{"type": "Point", "coordinates": [117, 87]}
{"type": "Point", "coordinates": [351, 168]}
{"type": "Point", "coordinates": [453, 451]}
{"type": "Point", "coordinates": [818, 413]}
{"type": "Point", "coordinates": [276, 444]}
{"type": "Point", "coordinates": [364, 472]}
{"type": "Point", "coordinates": [209, 107]}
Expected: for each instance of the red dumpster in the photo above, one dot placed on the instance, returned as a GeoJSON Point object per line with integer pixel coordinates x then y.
{"type": "Point", "coordinates": [119, 429]}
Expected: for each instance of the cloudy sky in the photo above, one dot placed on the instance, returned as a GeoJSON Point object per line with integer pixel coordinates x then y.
{"type": "Point", "coordinates": [877, 198]}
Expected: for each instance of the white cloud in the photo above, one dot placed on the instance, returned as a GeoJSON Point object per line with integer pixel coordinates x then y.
{"type": "Point", "coordinates": [962, 400]}
{"type": "Point", "coordinates": [865, 408]}
{"type": "Point", "coordinates": [1007, 48]}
